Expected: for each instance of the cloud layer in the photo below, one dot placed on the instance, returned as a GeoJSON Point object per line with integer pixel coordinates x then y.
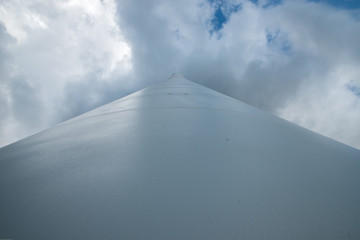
{"type": "Point", "coordinates": [295, 59]}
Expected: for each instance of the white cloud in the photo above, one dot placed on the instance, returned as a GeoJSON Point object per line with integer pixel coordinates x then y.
{"type": "Point", "coordinates": [298, 60]}
{"type": "Point", "coordinates": [273, 58]}
{"type": "Point", "coordinates": [54, 44]}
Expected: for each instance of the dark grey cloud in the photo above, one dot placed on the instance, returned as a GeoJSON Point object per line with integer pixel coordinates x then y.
{"type": "Point", "coordinates": [25, 105]}
{"type": "Point", "coordinates": [20, 107]}
{"type": "Point", "coordinates": [88, 93]}
{"type": "Point", "coordinates": [5, 38]}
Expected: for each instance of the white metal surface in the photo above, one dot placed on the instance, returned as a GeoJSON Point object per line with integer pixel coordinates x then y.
{"type": "Point", "coordinates": [179, 161]}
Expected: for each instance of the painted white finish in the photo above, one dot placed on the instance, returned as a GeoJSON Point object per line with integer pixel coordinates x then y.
{"type": "Point", "coordinates": [179, 161]}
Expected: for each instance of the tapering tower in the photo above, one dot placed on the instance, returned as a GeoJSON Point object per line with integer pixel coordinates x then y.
{"type": "Point", "coordinates": [179, 161]}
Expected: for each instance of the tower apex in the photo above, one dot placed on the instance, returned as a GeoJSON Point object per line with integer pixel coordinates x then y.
{"type": "Point", "coordinates": [176, 75]}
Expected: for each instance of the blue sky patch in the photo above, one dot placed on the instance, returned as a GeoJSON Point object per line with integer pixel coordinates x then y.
{"type": "Point", "coordinates": [272, 3]}
{"type": "Point", "coordinates": [354, 89]}
{"type": "Point", "coordinates": [218, 20]}
{"type": "Point", "coordinates": [278, 40]}
{"type": "Point", "coordinates": [348, 4]}
{"type": "Point", "coordinates": [222, 13]}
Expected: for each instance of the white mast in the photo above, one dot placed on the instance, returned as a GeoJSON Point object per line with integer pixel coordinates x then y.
{"type": "Point", "coordinates": [179, 161]}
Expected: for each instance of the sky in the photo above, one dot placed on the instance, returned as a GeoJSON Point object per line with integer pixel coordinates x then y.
{"type": "Point", "coordinates": [296, 59]}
